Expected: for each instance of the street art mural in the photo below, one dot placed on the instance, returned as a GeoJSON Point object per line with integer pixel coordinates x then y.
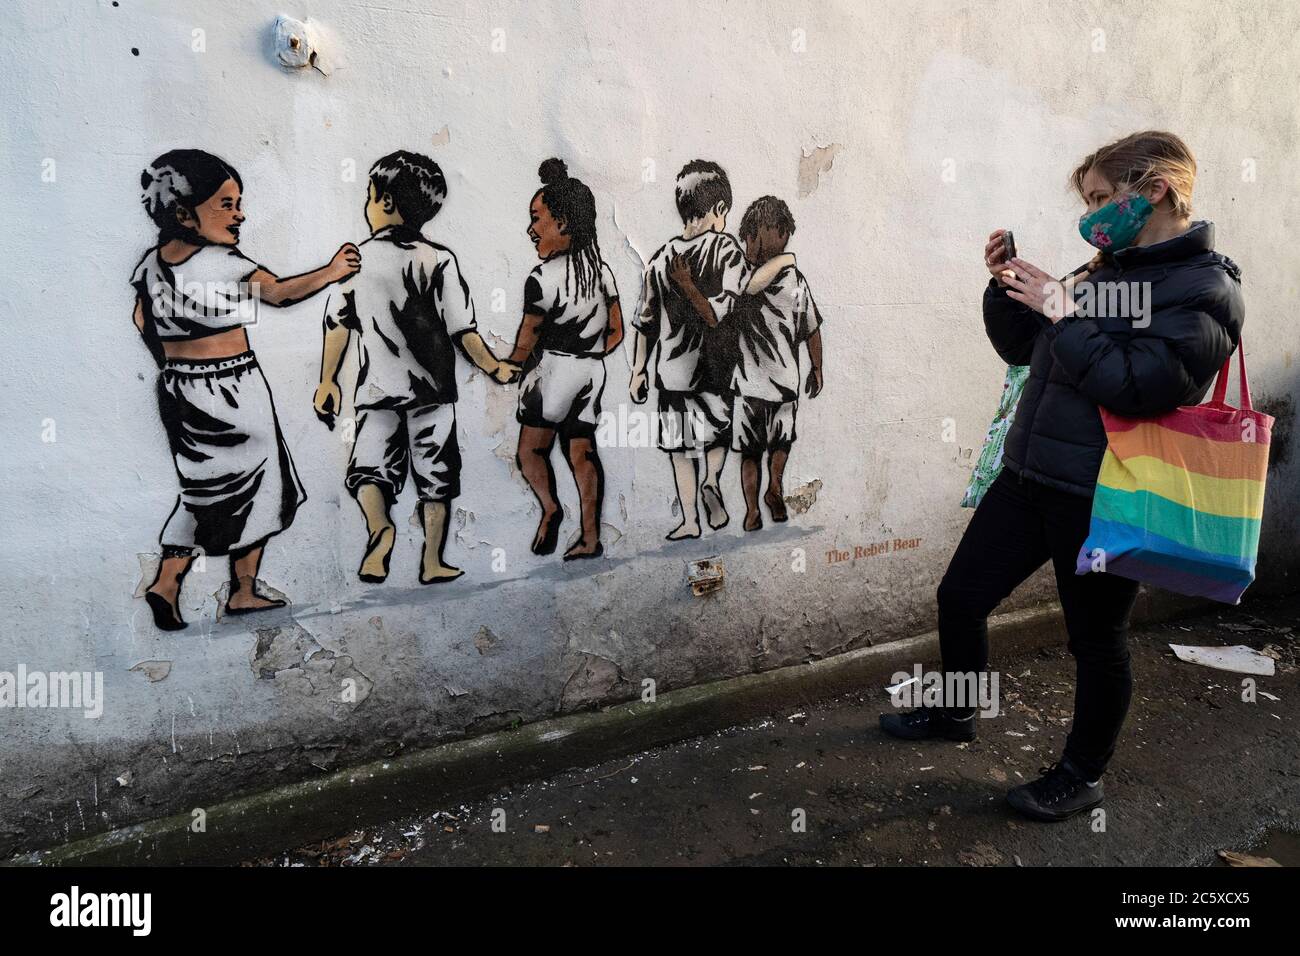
{"type": "Point", "coordinates": [720, 326]}
{"type": "Point", "coordinates": [571, 321]}
{"type": "Point", "coordinates": [410, 310]}
{"type": "Point", "coordinates": [691, 285]}
{"type": "Point", "coordinates": [758, 361]}
{"type": "Point", "coordinates": [195, 294]}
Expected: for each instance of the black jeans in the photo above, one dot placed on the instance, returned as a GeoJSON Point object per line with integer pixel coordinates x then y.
{"type": "Point", "coordinates": [1018, 526]}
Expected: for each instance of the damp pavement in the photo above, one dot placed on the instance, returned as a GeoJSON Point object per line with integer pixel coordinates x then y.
{"type": "Point", "coordinates": [1198, 770]}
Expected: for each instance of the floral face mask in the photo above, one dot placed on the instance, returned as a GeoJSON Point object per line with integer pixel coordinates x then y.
{"type": "Point", "coordinates": [1115, 225]}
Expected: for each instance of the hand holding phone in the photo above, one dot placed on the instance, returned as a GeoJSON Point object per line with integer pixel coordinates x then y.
{"type": "Point", "coordinates": [998, 252]}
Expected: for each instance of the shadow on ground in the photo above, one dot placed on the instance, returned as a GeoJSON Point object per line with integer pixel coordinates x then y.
{"type": "Point", "coordinates": [1198, 770]}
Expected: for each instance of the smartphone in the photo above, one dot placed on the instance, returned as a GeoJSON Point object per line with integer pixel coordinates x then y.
{"type": "Point", "coordinates": [1009, 245]}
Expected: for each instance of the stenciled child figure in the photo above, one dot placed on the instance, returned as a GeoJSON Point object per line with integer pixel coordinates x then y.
{"type": "Point", "coordinates": [693, 360]}
{"type": "Point", "coordinates": [571, 320]}
{"type": "Point", "coordinates": [770, 326]}
{"type": "Point", "coordinates": [195, 294]}
{"type": "Point", "coordinates": [411, 309]}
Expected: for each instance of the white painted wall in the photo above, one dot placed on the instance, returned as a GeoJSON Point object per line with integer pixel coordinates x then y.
{"type": "Point", "coordinates": [1006, 97]}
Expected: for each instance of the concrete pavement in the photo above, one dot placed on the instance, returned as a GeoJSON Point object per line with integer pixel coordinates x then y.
{"type": "Point", "coordinates": [1198, 770]}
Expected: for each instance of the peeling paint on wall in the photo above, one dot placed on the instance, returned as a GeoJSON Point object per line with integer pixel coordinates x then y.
{"type": "Point", "coordinates": [485, 642]}
{"type": "Point", "coordinates": [592, 681]}
{"type": "Point", "coordinates": [291, 656]}
{"type": "Point", "coordinates": [800, 500]}
{"type": "Point", "coordinates": [153, 671]}
{"type": "Point", "coordinates": [812, 164]}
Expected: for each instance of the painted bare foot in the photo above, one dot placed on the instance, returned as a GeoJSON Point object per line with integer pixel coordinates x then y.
{"type": "Point", "coordinates": [433, 571]}
{"type": "Point", "coordinates": [753, 520]}
{"type": "Point", "coordinates": [244, 598]}
{"type": "Point", "coordinates": [374, 566]}
{"type": "Point", "coordinates": [714, 510]}
{"type": "Point", "coordinates": [687, 529]}
{"type": "Point", "coordinates": [584, 549]}
{"type": "Point", "coordinates": [775, 505]}
{"type": "Point", "coordinates": [548, 532]}
{"type": "Point", "coordinates": [166, 615]}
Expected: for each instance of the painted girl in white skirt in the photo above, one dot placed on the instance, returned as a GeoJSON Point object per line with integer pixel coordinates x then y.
{"type": "Point", "coordinates": [195, 293]}
{"type": "Point", "coordinates": [571, 321]}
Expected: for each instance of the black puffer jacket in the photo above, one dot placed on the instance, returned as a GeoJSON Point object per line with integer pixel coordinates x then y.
{"type": "Point", "coordinates": [1196, 313]}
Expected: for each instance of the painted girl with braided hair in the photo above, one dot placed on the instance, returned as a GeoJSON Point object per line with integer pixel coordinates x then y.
{"type": "Point", "coordinates": [571, 321]}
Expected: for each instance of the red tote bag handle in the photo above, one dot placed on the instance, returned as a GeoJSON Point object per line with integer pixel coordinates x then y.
{"type": "Point", "coordinates": [1221, 384]}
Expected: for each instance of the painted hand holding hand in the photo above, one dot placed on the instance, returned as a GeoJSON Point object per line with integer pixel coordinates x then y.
{"type": "Point", "coordinates": [506, 373]}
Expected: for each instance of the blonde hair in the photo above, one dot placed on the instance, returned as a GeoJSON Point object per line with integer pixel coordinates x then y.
{"type": "Point", "coordinates": [1133, 162]}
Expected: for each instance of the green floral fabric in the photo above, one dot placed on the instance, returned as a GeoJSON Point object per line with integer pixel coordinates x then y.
{"type": "Point", "coordinates": [990, 460]}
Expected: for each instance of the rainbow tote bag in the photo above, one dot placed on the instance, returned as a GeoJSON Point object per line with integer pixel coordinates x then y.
{"type": "Point", "coordinates": [1180, 497]}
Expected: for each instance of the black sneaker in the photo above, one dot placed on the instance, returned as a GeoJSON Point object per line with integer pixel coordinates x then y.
{"type": "Point", "coordinates": [1058, 794]}
{"type": "Point", "coordinates": [926, 723]}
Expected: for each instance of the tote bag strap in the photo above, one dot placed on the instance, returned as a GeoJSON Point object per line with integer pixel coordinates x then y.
{"type": "Point", "coordinates": [1221, 384]}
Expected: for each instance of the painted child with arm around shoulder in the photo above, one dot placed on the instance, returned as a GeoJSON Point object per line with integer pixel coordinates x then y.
{"type": "Point", "coordinates": [771, 326]}
{"type": "Point", "coordinates": [676, 328]}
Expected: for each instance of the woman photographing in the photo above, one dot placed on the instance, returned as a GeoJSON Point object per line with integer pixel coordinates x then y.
{"type": "Point", "coordinates": [1083, 354]}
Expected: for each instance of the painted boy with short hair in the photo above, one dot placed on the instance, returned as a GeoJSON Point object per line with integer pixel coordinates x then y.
{"type": "Point", "coordinates": [409, 306]}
